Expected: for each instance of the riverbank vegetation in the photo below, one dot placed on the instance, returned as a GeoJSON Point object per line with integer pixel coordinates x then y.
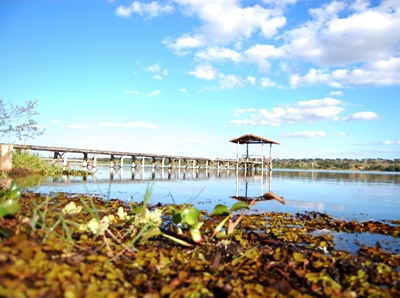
{"type": "Point", "coordinates": [83, 246]}
{"type": "Point", "coordinates": [367, 164]}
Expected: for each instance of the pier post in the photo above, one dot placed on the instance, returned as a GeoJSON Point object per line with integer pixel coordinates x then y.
{"type": "Point", "coordinates": [85, 163]}
{"type": "Point", "coordinates": [112, 162]}
{"type": "Point", "coordinates": [262, 157]}
{"type": "Point", "coordinates": [94, 164]}
{"type": "Point", "coordinates": [143, 162]}
{"type": "Point", "coordinates": [55, 158]}
{"type": "Point", "coordinates": [270, 156]}
{"type": "Point", "coordinates": [6, 151]}
{"type": "Point", "coordinates": [133, 163]}
{"type": "Point", "coordinates": [163, 163]}
{"type": "Point", "coordinates": [65, 163]}
{"type": "Point", "coordinates": [122, 162]}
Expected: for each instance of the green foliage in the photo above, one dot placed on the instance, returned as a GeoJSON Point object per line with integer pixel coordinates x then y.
{"type": "Point", "coordinates": [9, 203]}
{"type": "Point", "coordinates": [17, 121]}
{"type": "Point", "coordinates": [34, 164]}
{"type": "Point", "coordinates": [367, 164]}
{"type": "Point", "coordinates": [222, 210]}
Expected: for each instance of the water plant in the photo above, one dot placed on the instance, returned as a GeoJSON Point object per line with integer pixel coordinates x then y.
{"type": "Point", "coordinates": [9, 200]}
{"type": "Point", "coordinates": [222, 210]}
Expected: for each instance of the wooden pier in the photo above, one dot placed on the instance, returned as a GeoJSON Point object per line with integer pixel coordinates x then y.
{"type": "Point", "coordinates": [89, 160]}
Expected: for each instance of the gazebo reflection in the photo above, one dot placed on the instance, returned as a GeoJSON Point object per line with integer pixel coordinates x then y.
{"type": "Point", "coordinates": [267, 196]}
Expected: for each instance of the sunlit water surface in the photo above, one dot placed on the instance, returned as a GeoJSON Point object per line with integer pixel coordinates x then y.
{"type": "Point", "coordinates": [345, 195]}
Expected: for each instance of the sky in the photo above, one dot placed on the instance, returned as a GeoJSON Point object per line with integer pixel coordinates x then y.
{"type": "Point", "coordinates": [183, 77]}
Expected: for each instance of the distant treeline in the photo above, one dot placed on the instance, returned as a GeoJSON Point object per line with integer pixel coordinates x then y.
{"type": "Point", "coordinates": [367, 164]}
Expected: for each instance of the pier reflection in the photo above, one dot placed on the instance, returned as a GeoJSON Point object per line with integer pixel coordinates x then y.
{"type": "Point", "coordinates": [170, 174]}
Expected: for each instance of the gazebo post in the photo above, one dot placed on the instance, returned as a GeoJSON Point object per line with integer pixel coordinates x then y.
{"type": "Point", "coordinates": [270, 155]}
{"type": "Point", "coordinates": [262, 156]}
{"type": "Point", "coordinates": [238, 151]}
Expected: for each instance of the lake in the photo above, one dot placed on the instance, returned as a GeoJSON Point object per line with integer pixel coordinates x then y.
{"type": "Point", "coordinates": [343, 194]}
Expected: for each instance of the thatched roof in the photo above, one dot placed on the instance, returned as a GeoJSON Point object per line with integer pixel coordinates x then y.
{"type": "Point", "coordinates": [252, 139]}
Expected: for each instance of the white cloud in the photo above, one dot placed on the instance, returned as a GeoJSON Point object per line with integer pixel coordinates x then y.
{"type": "Point", "coordinates": [238, 112]}
{"type": "Point", "coordinates": [382, 150]}
{"type": "Point", "coordinates": [131, 125]}
{"type": "Point", "coordinates": [225, 21]}
{"type": "Point", "coordinates": [218, 53]}
{"type": "Point", "coordinates": [387, 142]}
{"type": "Point", "coordinates": [251, 79]}
{"type": "Point", "coordinates": [266, 82]}
{"type": "Point", "coordinates": [259, 53]}
{"type": "Point", "coordinates": [183, 90]}
{"type": "Point", "coordinates": [337, 93]}
{"type": "Point", "coordinates": [55, 122]}
{"type": "Point", "coordinates": [148, 10]}
{"type": "Point", "coordinates": [204, 71]}
{"type": "Point", "coordinates": [380, 73]}
{"type": "Point", "coordinates": [132, 92]}
{"type": "Point", "coordinates": [330, 39]}
{"type": "Point", "coordinates": [153, 68]}
{"type": "Point", "coordinates": [362, 116]}
{"type": "Point", "coordinates": [183, 43]}
{"type": "Point", "coordinates": [154, 93]}
{"type": "Point", "coordinates": [78, 126]}
{"type": "Point", "coordinates": [304, 134]}
{"type": "Point", "coordinates": [303, 111]}
{"type": "Point", "coordinates": [360, 41]}
{"type": "Point", "coordinates": [229, 81]}
{"type": "Point", "coordinates": [339, 133]}
{"type": "Point", "coordinates": [338, 44]}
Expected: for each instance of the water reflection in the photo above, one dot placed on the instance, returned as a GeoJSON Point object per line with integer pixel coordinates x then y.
{"type": "Point", "coordinates": [345, 195]}
{"type": "Point", "coordinates": [339, 176]}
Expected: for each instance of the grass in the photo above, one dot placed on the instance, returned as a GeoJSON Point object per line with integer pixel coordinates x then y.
{"type": "Point", "coordinates": [34, 164]}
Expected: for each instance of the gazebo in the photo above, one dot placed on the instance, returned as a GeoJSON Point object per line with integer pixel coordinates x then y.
{"type": "Point", "coordinates": [254, 159]}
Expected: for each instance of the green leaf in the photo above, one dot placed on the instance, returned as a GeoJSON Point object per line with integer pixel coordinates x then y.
{"type": "Point", "coordinates": [190, 216]}
{"type": "Point", "coordinates": [239, 205]}
{"type": "Point", "coordinates": [136, 210]}
{"type": "Point", "coordinates": [176, 214]}
{"type": "Point", "coordinates": [221, 210]}
{"type": "Point", "coordinates": [15, 194]}
{"type": "Point", "coordinates": [14, 186]}
{"type": "Point", "coordinates": [9, 207]}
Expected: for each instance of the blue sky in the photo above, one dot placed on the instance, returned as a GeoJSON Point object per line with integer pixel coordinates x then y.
{"type": "Point", "coordinates": [184, 77]}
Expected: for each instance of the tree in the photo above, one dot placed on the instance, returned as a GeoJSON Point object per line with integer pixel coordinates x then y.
{"type": "Point", "coordinates": [17, 121]}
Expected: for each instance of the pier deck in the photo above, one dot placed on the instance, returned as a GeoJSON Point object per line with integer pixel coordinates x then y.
{"type": "Point", "coordinates": [89, 160]}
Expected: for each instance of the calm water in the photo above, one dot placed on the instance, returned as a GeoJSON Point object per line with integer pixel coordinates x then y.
{"type": "Point", "coordinates": [342, 194]}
